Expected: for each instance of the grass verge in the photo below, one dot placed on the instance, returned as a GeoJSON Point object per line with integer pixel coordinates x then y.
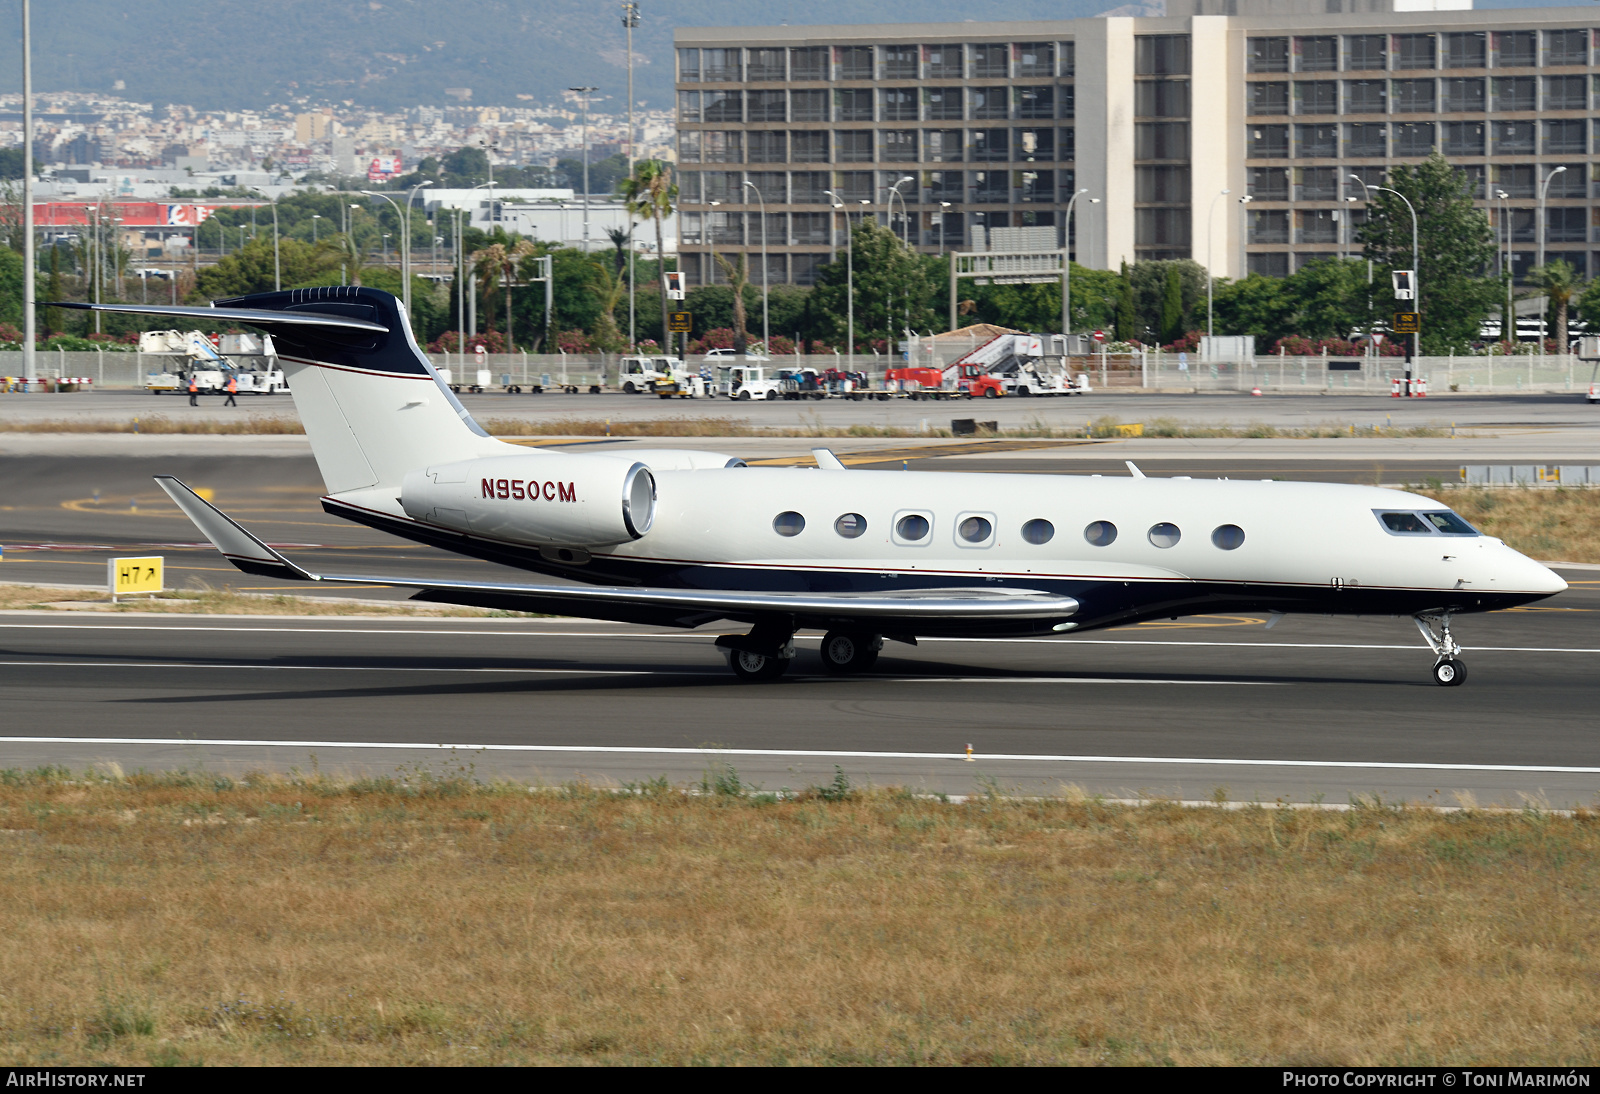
{"type": "Point", "coordinates": [428, 918]}
{"type": "Point", "coordinates": [159, 423]}
{"type": "Point", "coordinates": [224, 602]}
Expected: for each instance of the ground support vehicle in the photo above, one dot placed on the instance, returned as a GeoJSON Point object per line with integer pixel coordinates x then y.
{"type": "Point", "coordinates": [248, 359]}
{"type": "Point", "coordinates": [680, 383]}
{"type": "Point", "coordinates": [1030, 380]}
{"type": "Point", "coordinates": [636, 374]}
{"type": "Point", "coordinates": [955, 381]}
{"type": "Point", "coordinates": [747, 382]}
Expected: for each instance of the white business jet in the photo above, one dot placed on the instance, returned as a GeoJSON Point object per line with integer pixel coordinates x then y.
{"type": "Point", "coordinates": [685, 538]}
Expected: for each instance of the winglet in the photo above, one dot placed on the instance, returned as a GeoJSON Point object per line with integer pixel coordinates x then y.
{"type": "Point", "coordinates": [237, 545]}
{"type": "Point", "coordinates": [1133, 468]}
{"type": "Point", "coordinates": [827, 460]}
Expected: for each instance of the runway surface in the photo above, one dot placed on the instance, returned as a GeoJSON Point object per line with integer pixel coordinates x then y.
{"type": "Point", "coordinates": [1315, 709]}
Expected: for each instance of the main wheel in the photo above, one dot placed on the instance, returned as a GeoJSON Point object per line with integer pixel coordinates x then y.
{"type": "Point", "coordinates": [771, 395]}
{"type": "Point", "coordinates": [745, 395]}
{"type": "Point", "coordinates": [628, 388]}
{"type": "Point", "coordinates": [1023, 391]}
{"type": "Point", "coordinates": [991, 393]}
{"type": "Point", "coordinates": [1449, 673]}
{"type": "Point", "coordinates": [754, 668]}
{"type": "Point", "coordinates": [845, 653]}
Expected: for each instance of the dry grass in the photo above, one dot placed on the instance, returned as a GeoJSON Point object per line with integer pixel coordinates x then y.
{"type": "Point", "coordinates": [159, 423]}
{"type": "Point", "coordinates": [224, 602]}
{"type": "Point", "coordinates": [1541, 522]}
{"type": "Point", "coordinates": [429, 919]}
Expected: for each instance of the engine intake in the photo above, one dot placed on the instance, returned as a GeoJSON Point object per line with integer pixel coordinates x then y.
{"type": "Point", "coordinates": [548, 498]}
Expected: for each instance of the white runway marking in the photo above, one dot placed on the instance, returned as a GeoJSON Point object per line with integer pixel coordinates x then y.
{"type": "Point", "coordinates": [340, 668]}
{"type": "Point", "coordinates": [1068, 680]}
{"type": "Point", "coordinates": [626, 750]}
{"type": "Point", "coordinates": [1063, 642]}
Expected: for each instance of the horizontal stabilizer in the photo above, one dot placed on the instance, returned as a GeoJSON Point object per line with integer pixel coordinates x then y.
{"type": "Point", "coordinates": [260, 317]}
{"type": "Point", "coordinates": [226, 535]}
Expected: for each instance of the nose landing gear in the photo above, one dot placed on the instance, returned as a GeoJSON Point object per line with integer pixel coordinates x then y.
{"type": "Point", "coordinates": [1449, 670]}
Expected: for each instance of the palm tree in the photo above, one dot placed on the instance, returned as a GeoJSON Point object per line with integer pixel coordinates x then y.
{"type": "Point", "coordinates": [738, 278]}
{"type": "Point", "coordinates": [497, 265]}
{"type": "Point", "coordinates": [1559, 283]}
{"type": "Point", "coordinates": [608, 287]}
{"type": "Point", "coordinates": [619, 240]}
{"type": "Point", "coordinates": [650, 193]}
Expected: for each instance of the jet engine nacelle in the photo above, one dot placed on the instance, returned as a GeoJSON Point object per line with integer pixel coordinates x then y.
{"type": "Point", "coordinates": [549, 498]}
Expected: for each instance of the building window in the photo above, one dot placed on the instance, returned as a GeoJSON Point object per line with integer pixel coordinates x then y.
{"type": "Point", "coordinates": [723, 106]}
{"type": "Point", "coordinates": [809, 228]}
{"type": "Point", "coordinates": [1513, 138]}
{"type": "Point", "coordinates": [769, 147]}
{"type": "Point", "coordinates": [725, 227]}
{"type": "Point", "coordinates": [1366, 51]}
{"type": "Point", "coordinates": [766, 64]}
{"type": "Point", "coordinates": [1069, 58]}
{"type": "Point", "coordinates": [719, 146]}
{"type": "Point", "coordinates": [898, 104]}
{"type": "Point", "coordinates": [1463, 139]}
{"type": "Point", "coordinates": [1514, 49]}
{"type": "Point", "coordinates": [806, 187]}
{"type": "Point", "coordinates": [688, 146]}
{"type": "Point", "coordinates": [1514, 93]}
{"type": "Point", "coordinates": [942, 145]}
{"type": "Point", "coordinates": [767, 106]}
{"type": "Point", "coordinates": [991, 187]}
{"type": "Point", "coordinates": [990, 102]}
{"type": "Point", "coordinates": [944, 186]}
{"type": "Point", "coordinates": [852, 105]}
{"type": "Point", "coordinates": [691, 228]}
{"type": "Point", "coordinates": [1161, 99]}
{"type": "Point", "coordinates": [721, 65]}
{"type": "Point", "coordinates": [1466, 50]}
{"type": "Point", "coordinates": [1269, 183]}
{"type": "Point", "coordinates": [774, 187]}
{"type": "Point", "coordinates": [1566, 47]}
{"type": "Point", "coordinates": [1164, 140]}
{"type": "Point", "coordinates": [854, 186]}
{"type": "Point", "coordinates": [809, 63]}
{"type": "Point", "coordinates": [1366, 140]}
{"type": "Point", "coordinates": [804, 267]}
{"type": "Point", "coordinates": [1033, 145]}
{"type": "Point", "coordinates": [1564, 136]}
{"type": "Point", "coordinates": [944, 62]}
{"type": "Point", "coordinates": [808, 106]}
{"type": "Point", "coordinates": [1413, 96]}
{"type": "Point", "coordinates": [689, 66]}
{"type": "Point", "coordinates": [1316, 226]}
{"type": "Point", "coordinates": [1316, 97]}
{"type": "Point", "coordinates": [991, 60]}
{"type": "Point", "coordinates": [688, 106]}
{"type": "Point", "coordinates": [1566, 224]}
{"type": "Point", "coordinates": [899, 62]}
{"type": "Point", "coordinates": [1475, 175]}
{"type": "Point", "coordinates": [1413, 138]}
{"type": "Point", "coordinates": [1316, 141]}
{"type": "Point", "coordinates": [1366, 96]}
{"type": "Point", "coordinates": [1263, 98]}
{"type": "Point", "coordinates": [1268, 55]}
{"type": "Point", "coordinates": [1069, 99]}
{"type": "Point", "coordinates": [853, 146]}
{"type": "Point", "coordinates": [1570, 183]}
{"type": "Point", "coordinates": [943, 104]}
{"type": "Point", "coordinates": [1036, 186]}
{"type": "Point", "coordinates": [1036, 102]}
{"type": "Point", "coordinates": [1464, 95]}
{"type": "Point", "coordinates": [1566, 92]}
{"type": "Point", "coordinates": [808, 146]}
{"type": "Point", "coordinates": [1161, 55]}
{"type": "Point", "coordinates": [1316, 184]}
{"type": "Point", "coordinates": [990, 145]}
{"type": "Point", "coordinates": [1067, 145]}
{"type": "Point", "coordinates": [722, 186]}
{"type": "Point", "coordinates": [1035, 58]}
{"type": "Point", "coordinates": [898, 145]}
{"type": "Point", "coordinates": [1270, 265]}
{"type": "Point", "coordinates": [1267, 142]}
{"type": "Point", "coordinates": [1161, 185]}
{"type": "Point", "coordinates": [689, 188]}
{"type": "Point", "coordinates": [855, 62]}
{"type": "Point", "coordinates": [1316, 54]}
{"type": "Point", "coordinates": [1516, 179]}
{"type": "Point", "coordinates": [1161, 227]}
{"type": "Point", "coordinates": [1414, 51]}
{"type": "Point", "coordinates": [1269, 226]}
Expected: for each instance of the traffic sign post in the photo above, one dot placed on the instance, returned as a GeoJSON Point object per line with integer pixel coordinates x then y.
{"type": "Point", "coordinates": [680, 322]}
{"type": "Point", "coordinates": [1407, 322]}
{"type": "Point", "coordinates": [127, 576]}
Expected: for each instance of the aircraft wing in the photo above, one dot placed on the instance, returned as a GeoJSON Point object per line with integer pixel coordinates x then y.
{"type": "Point", "coordinates": [673, 607]}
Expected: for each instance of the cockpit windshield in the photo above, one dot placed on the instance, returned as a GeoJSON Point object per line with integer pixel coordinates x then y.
{"type": "Point", "coordinates": [1426, 523]}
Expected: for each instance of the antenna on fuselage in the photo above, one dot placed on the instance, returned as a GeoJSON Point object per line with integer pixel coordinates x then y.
{"type": "Point", "coordinates": [1133, 468]}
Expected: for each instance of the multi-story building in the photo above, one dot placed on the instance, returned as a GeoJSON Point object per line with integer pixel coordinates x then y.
{"type": "Point", "coordinates": [1227, 131]}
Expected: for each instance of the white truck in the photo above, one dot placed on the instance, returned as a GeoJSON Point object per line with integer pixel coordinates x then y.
{"type": "Point", "coordinates": [638, 374]}
{"type": "Point", "coordinates": [1028, 364]}
{"type": "Point", "coordinates": [747, 382]}
{"type": "Point", "coordinates": [248, 358]}
{"type": "Point", "coordinates": [679, 383]}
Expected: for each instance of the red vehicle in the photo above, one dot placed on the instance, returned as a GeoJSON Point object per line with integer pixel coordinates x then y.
{"type": "Point", "coordinates": [956, 381]}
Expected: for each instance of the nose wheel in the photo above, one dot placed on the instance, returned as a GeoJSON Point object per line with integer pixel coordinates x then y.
{"type": "Point", "coordinates": [1449, 670]}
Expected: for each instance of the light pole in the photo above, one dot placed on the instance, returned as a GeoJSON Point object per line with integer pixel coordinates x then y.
{"type": "Point", "coordinates": [405, 238]}
{"type": "Point", "coordinates": [1503, 257]}
{"type": "Point", "coordinates": [1066, 272]}
{"type": "Point", "coordinates": [1348, 235]}
{"type": "Point", "coordinates": [314, 218]}
{"type": "Point", "coordinates": [766, 345]}
{"type": "Point", "coordinates": [1416, 274]}
{"type": "Point", "coordinates": [711, 240]}
{"type": "Point", "coordinates": [1544, 231]}
{"type": "Point", "coordinates": [849, 279]}
{"type": "Point", "coordinates": [905, 216]}
{"type": "Point", "coordinates": [277, 261]}
{"type": "Point", "coordinates": [630, 19]}
{"type": "Point", "coordinates": [584, 93]}
{"type": "Point", "coordinates": [1211, 217]}
{"type": "Point", "coordinates": [944, 211]}
{"type": "Point", "coordinates": [1244, 233]}
{"type": "Point", "coordinates": [29, 259]}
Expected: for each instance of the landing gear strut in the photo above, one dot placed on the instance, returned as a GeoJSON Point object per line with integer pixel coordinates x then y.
{"type": "Point", "coordinates": [845, 653]}
{"type": "Point", "coordinates": [1449, 670]}
{"type": "Point", "coordinates": [760, 656]}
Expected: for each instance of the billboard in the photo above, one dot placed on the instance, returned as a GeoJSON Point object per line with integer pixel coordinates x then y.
{"type": "Point", "coordinates": [384, 168]}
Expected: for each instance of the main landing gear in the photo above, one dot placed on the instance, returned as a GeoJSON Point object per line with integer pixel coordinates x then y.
{"type": "Point", "coordinates": [1449, 670]}
{"type": "Point", "coordinates": [845, 653]}
{"type": "Point", "coordinates": [764, 655]}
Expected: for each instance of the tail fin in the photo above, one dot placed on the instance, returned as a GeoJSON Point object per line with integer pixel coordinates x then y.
{"type": "Point", "coordinates": [372, 405]}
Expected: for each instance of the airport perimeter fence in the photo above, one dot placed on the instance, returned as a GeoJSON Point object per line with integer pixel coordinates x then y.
{"type": "Point", "coordinates": [1153, 371]}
